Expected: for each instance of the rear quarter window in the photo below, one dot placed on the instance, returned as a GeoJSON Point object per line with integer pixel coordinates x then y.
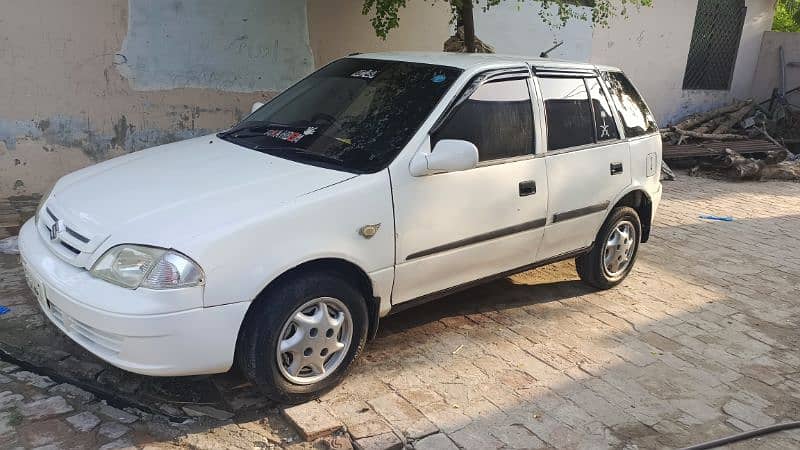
{"type": "Point", "coordinates": [637, 120]}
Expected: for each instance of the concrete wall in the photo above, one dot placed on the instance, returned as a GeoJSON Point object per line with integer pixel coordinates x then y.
{"type": "Point", "coordinates": [517, 29]}
{"type": "Point", "coordinates": [767, 76]}
{"type": "Point", "coordinates": [337, 28]}
{"type": "Point", "coordinates": [65, 101]}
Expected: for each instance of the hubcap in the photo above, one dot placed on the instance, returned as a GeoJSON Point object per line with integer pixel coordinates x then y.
{"type": "Point", "coordinates": [314, 340]}
{"type": "Point", "coordinates": [619, 249]}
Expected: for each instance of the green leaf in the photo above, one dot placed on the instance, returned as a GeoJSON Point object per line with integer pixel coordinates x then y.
{"type": "Point", "coordinates": [385, 14]}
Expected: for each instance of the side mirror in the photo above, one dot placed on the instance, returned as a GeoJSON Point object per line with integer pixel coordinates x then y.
{"type": "Point", "coordinates": [449, 155]}
{"type": "Point", "coordinates": [256, 106]}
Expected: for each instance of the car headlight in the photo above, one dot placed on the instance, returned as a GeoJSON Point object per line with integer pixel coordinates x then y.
{"type": "Point", "coordinates": [134, 266]}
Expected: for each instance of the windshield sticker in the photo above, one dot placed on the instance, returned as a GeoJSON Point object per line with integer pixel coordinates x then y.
{"type": "Point", "coordinates": [366, 73]}
{"type": "Point", "coordinates": [289, 136]}
{"type": "Point", "coordinates": [439, 78]}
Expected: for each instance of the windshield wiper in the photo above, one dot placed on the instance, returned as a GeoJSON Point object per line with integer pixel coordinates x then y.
{"type": "Point", "coordinates": [250, 126]}
{"type": "Point", "coordinates": [299, 153]}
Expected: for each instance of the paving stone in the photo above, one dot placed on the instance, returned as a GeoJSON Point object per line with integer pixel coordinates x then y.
{"type": "Point", "coordinates": [335, 442]}
{"type": "Point", "coordinates": [385, 441]}
{"type": "Point", "coordinates": [72, 392]}
{"type": "Point", "coordinates": [7, 367]}
{"type": "Point", "coordinates": [48, 407]}
{"type": "Point", "coordinates": [372, 427]}
{"type": "Point", "coordinates": [746, 413]}
{"type": "Point", "coordinates": [112, 430]}
{"type": "Point", "coordinates": [111, 412]}
{"type": "Point", "coordinates": [203, 410]}
{"type": "Point", "coordinates": [438, 441]}
{"type": "Point", "coordinates": [124, 443]}
{"type": "Point", "coordinates": [84, 421]}
{"type": "Point", "coordinates": [6, 423]}
{"type": "Point", "coordinates": [516, 436]}
{"type": "Point", "coordinates": [120, 380]}
{"type": "Point", "coordinates": [85, 370]}
{"type": "Point", "coordinates": [33, 379]}
{"type": "Point", "coordinates": [312, 420]}
{"type": "Point", "coordinates": [475, 436]}
{"type": "Point", "coordinates": [45, 432]}
{"type": "Point", "coordinates": [9, 399]}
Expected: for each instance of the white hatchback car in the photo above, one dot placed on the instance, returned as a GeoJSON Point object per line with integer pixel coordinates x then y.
{"type": "Point", "coordinates": [376, 183]}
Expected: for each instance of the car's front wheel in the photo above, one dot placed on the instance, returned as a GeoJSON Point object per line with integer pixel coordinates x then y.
{"type": "Point", "coordinates": [614, 252]}
{"type": "Point", "coordinates": [302, 336]}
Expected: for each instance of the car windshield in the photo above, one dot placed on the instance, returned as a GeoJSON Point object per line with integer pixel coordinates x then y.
{"type": "Point", "coordinates": [354, 114]}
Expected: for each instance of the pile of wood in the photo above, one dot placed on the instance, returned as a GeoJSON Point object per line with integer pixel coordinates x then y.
{"type": "Point", "coordinates": [778, 165]}
{"type": "Point", "coordinates": [721, 124]}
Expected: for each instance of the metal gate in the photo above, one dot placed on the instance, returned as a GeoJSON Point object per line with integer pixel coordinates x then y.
{"type": "Point", "coordinates": [715, 44]}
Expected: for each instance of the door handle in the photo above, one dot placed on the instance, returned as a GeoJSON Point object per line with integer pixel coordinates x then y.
{"type": "Point", "coordinates": [527, 188]}
{"type": "Point", "coordinates": [616, 168]}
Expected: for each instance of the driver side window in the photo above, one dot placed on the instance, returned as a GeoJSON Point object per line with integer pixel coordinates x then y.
{"type": "Point", "coordinates": [497, 118]}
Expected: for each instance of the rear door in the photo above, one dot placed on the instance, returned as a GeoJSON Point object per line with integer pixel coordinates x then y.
{"type": "Point", "coordinates": [588, 161]}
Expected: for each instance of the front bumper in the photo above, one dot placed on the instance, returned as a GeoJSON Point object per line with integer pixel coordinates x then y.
{"type": "Point", "coordinates": [130, 328]}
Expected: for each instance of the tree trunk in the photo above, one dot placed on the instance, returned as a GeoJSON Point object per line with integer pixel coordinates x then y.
{"type": "Point", "coordinates": [467, 17]}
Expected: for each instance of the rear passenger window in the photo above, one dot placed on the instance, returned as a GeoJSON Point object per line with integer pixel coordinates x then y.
{"type": "Point", "coordinates": [604, 124]}
{"type": "Point", "coordinates": [569, 113]}
{"type": "Point", "coordinates": [497, 118]}
{"type": "Point", "coordinates": [637, 120]}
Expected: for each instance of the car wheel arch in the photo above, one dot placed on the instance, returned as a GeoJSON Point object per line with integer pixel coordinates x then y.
{"type": "Point", "coordinates": [640, 201]}
{"type": "Point", "coordinates": [341, 267]}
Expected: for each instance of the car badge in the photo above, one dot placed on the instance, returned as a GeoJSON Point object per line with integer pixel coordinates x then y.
{"type": "Point", "coordinates": [368, 231]}
{"type": "Point", "coordinates": [55, 230]}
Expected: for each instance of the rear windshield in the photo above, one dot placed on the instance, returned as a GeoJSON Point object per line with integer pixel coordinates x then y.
{"type": "Point", "coordinates": [354, 114]}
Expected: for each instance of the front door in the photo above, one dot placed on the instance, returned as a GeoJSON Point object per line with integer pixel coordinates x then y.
{"type": "Point", "coordinates": [453, 228]}
{"type": "Point", "coordinates": [588, 164]}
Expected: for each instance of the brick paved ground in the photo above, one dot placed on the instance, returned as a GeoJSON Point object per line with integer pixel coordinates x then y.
{"type": "Point", "coordinates": [700, 342]}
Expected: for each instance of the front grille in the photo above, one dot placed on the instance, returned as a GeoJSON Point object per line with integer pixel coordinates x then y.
{"type": "Point", "coordinates": [71, 244]}
{"type": "Point", "coordinates": [69, 230]}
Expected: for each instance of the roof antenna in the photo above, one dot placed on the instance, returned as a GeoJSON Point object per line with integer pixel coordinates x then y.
{"type": "Point", "coordinates": [546, 53]}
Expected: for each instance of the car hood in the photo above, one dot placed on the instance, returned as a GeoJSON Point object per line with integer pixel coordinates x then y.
{"type": "Point", "coordinates": [181, 189]}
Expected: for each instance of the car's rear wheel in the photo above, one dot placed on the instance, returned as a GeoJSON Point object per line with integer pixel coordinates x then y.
{"type": "Point", "coordinates": [302, 336]}
{"type": "Point", "coordinates": [614, 252]}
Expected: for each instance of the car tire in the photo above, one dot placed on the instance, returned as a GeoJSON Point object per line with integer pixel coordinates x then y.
{"type": "Point", "coordinates": [273, 322]}
{"type": "Point", "coordinates": [614, 251]}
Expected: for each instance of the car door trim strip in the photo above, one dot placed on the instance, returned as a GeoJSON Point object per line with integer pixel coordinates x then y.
{"type": "Point", "coordinates": [527, 226]}
{"type": "Point", "coordinates": [580, 212]}
{"type": "Point", "coordinates": [452, 290]}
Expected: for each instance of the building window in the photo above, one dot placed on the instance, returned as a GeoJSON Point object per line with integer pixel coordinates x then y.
{"type": "Point", "coordinates": [718, 28]}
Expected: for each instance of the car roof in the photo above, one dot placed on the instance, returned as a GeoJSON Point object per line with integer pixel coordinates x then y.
{"type": "Point", "coordinates": [476, 60]}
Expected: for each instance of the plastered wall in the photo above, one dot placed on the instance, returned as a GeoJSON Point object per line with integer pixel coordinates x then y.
{"type": "Point", "coordinates": [767, 75]}
{"type": "Point", "coordinates": [66, 101]}
{"type": "Point", "coordinates": [652, 46]}
{"type": "Point", "coordinates": [337, 28]}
